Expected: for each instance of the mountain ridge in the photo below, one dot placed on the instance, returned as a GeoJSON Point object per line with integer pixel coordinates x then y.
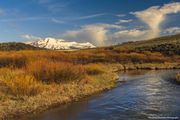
{"type": "Point", "coordinates": [59, 44]}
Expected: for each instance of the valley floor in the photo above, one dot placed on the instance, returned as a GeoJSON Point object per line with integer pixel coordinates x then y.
{"type": "Point", "coordinates": [56, 94]}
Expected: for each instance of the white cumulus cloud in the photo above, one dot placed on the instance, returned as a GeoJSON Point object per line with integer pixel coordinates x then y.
{"type": "Point", "coordinates": [30, 37]}
{"type": "Point", "coordinates": [155, 15]}
{"type": "Point", "coordinates": [128, 35]}
{"type": "Point", "coordinates": [94, 33]}
{"type": "Point", "coordinates": [57, 21]}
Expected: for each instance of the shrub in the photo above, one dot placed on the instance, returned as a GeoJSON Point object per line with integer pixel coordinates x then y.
{"type": "Point", "coordinates": [18, 83]}
{"type": "Point", "coordinates": [53, 71]}
{"type": "Point", "coordinates": [94, 69]}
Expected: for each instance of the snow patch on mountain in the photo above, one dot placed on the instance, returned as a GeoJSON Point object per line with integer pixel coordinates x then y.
{"type": "Point", "coordinates": [59, 44]}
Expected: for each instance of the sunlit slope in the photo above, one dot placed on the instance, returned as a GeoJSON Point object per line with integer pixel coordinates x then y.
{"type": "Point", "coordinates": [168, 45]}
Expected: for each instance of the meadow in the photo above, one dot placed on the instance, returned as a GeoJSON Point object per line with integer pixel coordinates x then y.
{"type": "Point", "coordinates": [34, 80]}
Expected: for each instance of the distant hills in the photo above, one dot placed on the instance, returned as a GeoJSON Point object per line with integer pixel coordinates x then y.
{"type": "Point", "coordinates": [13, 46]}
{"type": "Point", "coordinates": [168, 45]}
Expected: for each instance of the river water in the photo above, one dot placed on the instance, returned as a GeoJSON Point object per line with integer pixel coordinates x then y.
{"type": "Point", "coordinates": [142, 95]}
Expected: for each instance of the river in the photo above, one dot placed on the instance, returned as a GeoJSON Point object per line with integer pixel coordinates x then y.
{"type": "Point", "coordinates": [142, 95]}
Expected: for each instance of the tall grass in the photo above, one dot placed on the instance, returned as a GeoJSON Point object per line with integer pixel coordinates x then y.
{"type": "Point", "coordinates": [53, 71]}
{"type": "Point", "coordinates": [15, 60]}
{"type": "Point", "coordinates": [94, 69]}
{"type": "Point", "coordinates": [19, 83]}
{"type": "Point", "coordinates": [101, 55]}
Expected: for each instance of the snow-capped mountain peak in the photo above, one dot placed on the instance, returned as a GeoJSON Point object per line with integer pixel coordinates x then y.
{"type": "Point", "coordinates": [53, 39]}
{"type": "Point", "coordinates": [59, 44]}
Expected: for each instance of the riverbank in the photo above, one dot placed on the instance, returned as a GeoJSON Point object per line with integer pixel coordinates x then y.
{"type": "Point", "coordinates": [138, 98]}
{"type": "Point", "coordinates": [57, 94]}
{"type": "Point", "coordinates": [151, 66]}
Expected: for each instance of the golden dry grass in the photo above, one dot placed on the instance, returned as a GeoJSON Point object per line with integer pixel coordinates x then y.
{"type": "Point", "coordinates": [18, 83]}
{"type": "Point", "coordinates": [55, 94]}
{"type": "Point", "coordinates": [21, 58]}
{"type": "Point", "coordinates": [53, 71]}
{"type": "Point", "coordinates": [94, 69]}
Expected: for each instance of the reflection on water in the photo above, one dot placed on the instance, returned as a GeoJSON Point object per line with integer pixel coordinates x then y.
{"type": "Point", "coordinates": [144, 94]}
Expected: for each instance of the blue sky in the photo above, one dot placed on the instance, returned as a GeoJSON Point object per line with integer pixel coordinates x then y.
{"type": "Point", "coordinates": [100, 22]}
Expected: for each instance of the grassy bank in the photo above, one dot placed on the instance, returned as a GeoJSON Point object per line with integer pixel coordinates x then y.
{"type": "Point", "coordinates": [24, 95]}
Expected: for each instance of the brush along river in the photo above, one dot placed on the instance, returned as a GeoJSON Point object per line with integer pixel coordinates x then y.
{"type": "Point", "coordinates": [138, 95]}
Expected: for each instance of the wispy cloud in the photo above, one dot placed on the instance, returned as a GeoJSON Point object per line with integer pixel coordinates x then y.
{"type": "Point", "coordinates": [57, 21]}
{"type": "Point", "coordinates": [2, 12]}
{"type": "Point", "coordinates": [90, 16]}
{"type": "Point", "coordinates": [124, 21]}
{"type": "Point", "coordinates": [22, 19]}
{"type": "Point", "coordinates": [30, 37]}
{"type": "Point", "coordinates": [54, 6]}
{"type": "Point", "coordinates": [43, 1]}
{"type": "Point", "coordinates": [53, 19]}
{"type": "Point", "coordinates": [120, 15]}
